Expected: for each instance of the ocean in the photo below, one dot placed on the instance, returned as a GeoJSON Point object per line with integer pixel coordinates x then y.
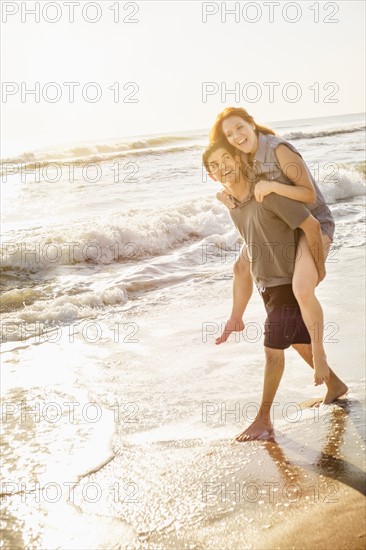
{"type": "Point", "coordinates": [116, 274]}
{"type": "Point", "coordinates": [98, 226]}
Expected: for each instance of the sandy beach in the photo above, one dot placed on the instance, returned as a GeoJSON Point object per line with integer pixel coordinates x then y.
{"type": "Point", "coordinates": [147, 460]}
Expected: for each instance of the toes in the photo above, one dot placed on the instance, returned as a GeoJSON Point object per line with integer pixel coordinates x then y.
{"type": "Point", "coordinates": [242, 437]}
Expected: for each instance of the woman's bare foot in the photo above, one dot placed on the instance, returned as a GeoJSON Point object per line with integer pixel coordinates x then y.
{"type": "Point", "coordinates": [259, 429]}
{"type": "Point", "coordinates": [321, 370]}
{"type": "Point", "coordinates": [232, 325]}
{"type": "Point", "coordinates": [335, 391]}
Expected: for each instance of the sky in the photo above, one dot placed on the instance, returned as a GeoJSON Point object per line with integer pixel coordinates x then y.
{"type": "Point", "coordinates": [172, 53]}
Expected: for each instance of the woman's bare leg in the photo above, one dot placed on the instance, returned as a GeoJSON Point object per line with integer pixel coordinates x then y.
{"type": "Point", "coordinates": [242, 291]}
{"type": "Point", "coordinates": [336, 387]}
{"type": "Point", "coordinates": [304, 282]}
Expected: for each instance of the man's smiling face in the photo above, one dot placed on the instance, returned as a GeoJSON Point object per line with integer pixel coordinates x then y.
{"type": "Point", "coordinates": [224, 168]}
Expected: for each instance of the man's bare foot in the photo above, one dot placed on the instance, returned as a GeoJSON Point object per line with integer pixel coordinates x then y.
{"type": "Point", "coordinates": [335, 392]}
{"type": "Point", "coordinates": [232, 325]}
{"type": "Point", "coordinates": [321, 370]}
{"type": "Point", "coordinates": [259, 429]}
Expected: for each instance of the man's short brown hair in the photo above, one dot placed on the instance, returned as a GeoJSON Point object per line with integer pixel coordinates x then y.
{"type": "Point", "coordinates": [212, 147]}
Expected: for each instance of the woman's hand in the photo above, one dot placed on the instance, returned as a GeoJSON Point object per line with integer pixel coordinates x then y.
{"type": "Point", "coordinates": [226, 199]}
{"type": "Point", "coordinates": [261, 189]}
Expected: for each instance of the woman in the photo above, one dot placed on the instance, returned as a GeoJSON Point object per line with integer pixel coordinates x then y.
{"type": "Point", "coordinates": [272, 158]}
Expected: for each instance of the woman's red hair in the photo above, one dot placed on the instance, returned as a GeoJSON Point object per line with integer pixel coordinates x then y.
{"type": "Point", "coordinates": [216, 133]}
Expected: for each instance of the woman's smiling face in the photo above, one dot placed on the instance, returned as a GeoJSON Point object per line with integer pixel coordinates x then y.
{"type": "Point", "coordinates": [240, 134]}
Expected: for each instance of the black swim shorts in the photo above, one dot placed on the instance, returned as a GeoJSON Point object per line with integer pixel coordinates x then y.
{"type": "Point", "coordinates": [284, 325]}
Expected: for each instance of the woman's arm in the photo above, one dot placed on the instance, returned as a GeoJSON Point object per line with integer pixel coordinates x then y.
{"type": "Point", "coordinates": [296, 170]}
{"type": "Point", "coordinates": [226, 199]}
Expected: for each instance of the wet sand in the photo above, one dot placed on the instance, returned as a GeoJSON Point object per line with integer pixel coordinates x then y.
{"type": "Point", "coordinates": [173, 478]}
{"type": "Point", "coordinates": [330, 525]}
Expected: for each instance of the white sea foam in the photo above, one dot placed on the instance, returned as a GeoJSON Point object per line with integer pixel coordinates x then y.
{"type": "Point", "coordinates": [99, 152]}
{"type": "Point", "coordinates": [143, 233]}
{"type": "Point", "coordinates": [43, 316]}
{"type": "Point", "coordinates": [140, 234]}
{"type": "Point", "coordinates": [344, 184]}
{"type": "Point", "coordinates": [298, 134]}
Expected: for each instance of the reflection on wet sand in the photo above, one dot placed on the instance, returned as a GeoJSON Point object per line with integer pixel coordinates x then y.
{"type": "Point", "coordinates": [330, 462]}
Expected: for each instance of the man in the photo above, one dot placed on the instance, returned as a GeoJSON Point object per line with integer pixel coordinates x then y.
{"type": "Point", "coordinates": [269, 230]}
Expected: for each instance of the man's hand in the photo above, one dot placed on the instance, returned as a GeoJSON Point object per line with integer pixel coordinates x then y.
{"type": "Point", "coordinates": [232, 325]}
{"type": "Point", "coordinates": [226, 199]}
{"type": "Point", "coordinates": [261, 189]}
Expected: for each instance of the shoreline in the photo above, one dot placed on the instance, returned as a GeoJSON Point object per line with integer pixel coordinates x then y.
{"type": "Point", "coordinates": [193, 482]}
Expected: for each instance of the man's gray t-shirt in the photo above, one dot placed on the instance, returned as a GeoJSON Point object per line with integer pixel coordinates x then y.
{"type": "Point", "coordinates": [268, 229]}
